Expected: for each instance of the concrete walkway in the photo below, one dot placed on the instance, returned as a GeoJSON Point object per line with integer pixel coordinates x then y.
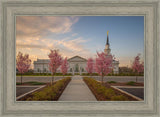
{"type": "Point", "coordinates": [77, 90]}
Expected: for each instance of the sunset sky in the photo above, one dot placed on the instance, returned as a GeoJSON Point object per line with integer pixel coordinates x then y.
{"type": "Point", "coordinates": [80, 35]}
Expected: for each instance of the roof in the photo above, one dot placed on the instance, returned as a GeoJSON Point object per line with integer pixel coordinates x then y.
{"type": "Point", "coordinates": [77, 57]}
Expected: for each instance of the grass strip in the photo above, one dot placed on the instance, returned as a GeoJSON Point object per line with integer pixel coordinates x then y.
{"type": "Point", "coordinates": [112, 82]}
{"type": "Point", "coordinates": [31, 83]}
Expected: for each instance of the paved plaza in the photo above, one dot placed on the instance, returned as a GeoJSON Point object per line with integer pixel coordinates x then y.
{"type": "Point", "coordinates": [77, 90]}
{"type": "Point", "coordinates": [23, 90]}
{"type": "Point", "coordinates": [46, 79]}
{"type": "Point", "coordinates": [139, 92]}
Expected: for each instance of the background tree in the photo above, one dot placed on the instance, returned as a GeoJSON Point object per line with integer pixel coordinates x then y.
{"type": "Point", "coordinates": [103, 64]}
{"type": "Point", "coordinates": [55, 62]}
{"type": "Point", "coordinates": [64, 66]}
{"type": "Point", "coordinates": [90, 67]}
{"type": "Point", "coordinates": [137, 66]}
{"type": "Point", "coordinates": [22, 63]}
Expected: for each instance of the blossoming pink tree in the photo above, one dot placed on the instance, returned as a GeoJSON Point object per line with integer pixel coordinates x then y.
{"type": "Point", "coordinates": [22, 63]}
{"type": "Point", "coordinates": [64, 66]}
{"type": "Point", "coordinates": [103, 64]}
{"type": "Point", "coordinates": [137, 66]}
{"type": "Point", "coordinates": [89, 66]}
{"type": "Point", "coordinates": [55, 62]}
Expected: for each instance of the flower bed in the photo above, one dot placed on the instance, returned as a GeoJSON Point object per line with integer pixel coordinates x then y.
{"type": "Point", "coordinates": [105, 93]}
{"type": "Point", "coordinates": [49, 93]}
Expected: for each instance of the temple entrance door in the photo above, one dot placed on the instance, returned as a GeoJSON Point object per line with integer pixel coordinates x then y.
{"type": "Point", "coordinates": [77, 70]}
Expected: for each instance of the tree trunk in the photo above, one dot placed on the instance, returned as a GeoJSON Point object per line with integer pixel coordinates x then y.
{"type": "Point", "coordinates": [52, 79]}
{"type": "Point", "coordinates": [102, 79]}
{"type": "Point", "coordinates": [21, 78]}
{"type": "Point", "coordinates": [136, 78]}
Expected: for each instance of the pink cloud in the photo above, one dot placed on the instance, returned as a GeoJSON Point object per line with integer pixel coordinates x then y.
{"type": "Point", "coordinates": [39, 26]}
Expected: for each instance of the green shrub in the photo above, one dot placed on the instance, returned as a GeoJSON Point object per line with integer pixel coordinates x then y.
{"type": "Point", "coordinates": [35, 83]}
{"type": "Point", "coordinates": [18, 83]}
{"type": "Point", "coordinates": [112, 82]}
{"type": "Point", "coordinates": [76, 74]}
{"type": "Point", "coordinates": [101, 89]}
{"type": "Point", "coordinates": [132, 83]}
{"type": "Point", "coordinates": [110, 74]}
{"type": "Point", "coordinates": [42, 74]}
{"type": "Point", "coordinates": [109, 93]}
{"type": "Point", "coordinates": [29, 99]}
{"type": "Point", "coordinates": [85, 74]}
{"type": "Point", "coordinates": [119, 98]}
{"type": "Point", "coordinates": [95, 74]}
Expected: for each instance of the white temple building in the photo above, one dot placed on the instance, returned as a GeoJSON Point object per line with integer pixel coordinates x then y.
{"type": "Point", "coordinates": [77, 64]}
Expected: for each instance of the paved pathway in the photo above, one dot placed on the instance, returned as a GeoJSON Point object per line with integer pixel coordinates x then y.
{"type": "Point", "coordinates": [77, 90]}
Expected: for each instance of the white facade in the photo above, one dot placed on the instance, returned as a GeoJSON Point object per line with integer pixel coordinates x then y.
{"type": "Point", "coordinates": [77, 64]}
{"type": "Point", "coordinates": [115, 67]}
{"type": "Point", "coordinates": [41, 66]}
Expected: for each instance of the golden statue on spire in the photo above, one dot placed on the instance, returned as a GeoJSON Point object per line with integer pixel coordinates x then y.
{"type": "Point", "coordinates": [107, 33]}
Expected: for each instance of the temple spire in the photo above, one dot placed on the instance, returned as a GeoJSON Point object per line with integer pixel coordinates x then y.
{"type": "Point", "coordinates": [107, 39]}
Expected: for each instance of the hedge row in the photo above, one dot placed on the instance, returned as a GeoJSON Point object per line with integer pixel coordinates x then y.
{"type": "Point", "coordinates": [103, 93]}
{"type": "Point", "coordinates": [43, 74]}
{"type": "Point", "coordinates": [51, 92]}
{"type": "Point", "coordinates": [120, 74]}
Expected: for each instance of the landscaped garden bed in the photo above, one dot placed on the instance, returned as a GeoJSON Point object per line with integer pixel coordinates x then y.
{"type": "Point", "coordinates": [131, 83]}
{"type": "Point", "coordinates": [104, 92]}
{"type": "Point", "coordinates": [48, 93]}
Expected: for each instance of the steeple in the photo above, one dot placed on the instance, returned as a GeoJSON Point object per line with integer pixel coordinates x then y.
{"type": "Point", "coordinates": [107, 43]}
{"type": "Point", "coordinates": [107, 50]}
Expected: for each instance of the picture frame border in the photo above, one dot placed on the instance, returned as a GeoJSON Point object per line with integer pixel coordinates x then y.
{"type": "Point", "coordinates": [5, 5]}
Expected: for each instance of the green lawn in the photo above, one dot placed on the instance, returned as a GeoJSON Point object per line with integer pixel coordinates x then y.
{"type": "Point", "coordinates": [31, 83]}
{"type": "Point", "coordinates": [132, 83]}
{"type": "Point", "coordinates": [112, 82]}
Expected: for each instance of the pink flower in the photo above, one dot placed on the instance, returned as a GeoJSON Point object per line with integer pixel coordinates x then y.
{"type": "Point", "coordinates": [103, 64]}
{"type": "Point", "coordinates": [22, 62]}
{"type": "Point", "coordinates": [64, 66]}
{"type": "Point", "coordinates": [137, 66]}
{"type": "Point", "coordinates": [55, 61]}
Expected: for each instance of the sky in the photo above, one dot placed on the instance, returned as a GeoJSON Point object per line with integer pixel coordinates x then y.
{"type": "Point", "coordinates": [80, 35]}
